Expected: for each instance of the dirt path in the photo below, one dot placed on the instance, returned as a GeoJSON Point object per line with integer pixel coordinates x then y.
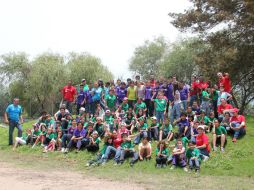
{"type": "Point", "coordinates": [12, 178]}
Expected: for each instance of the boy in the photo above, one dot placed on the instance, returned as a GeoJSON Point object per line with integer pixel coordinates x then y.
{"type": "Point", "coordinates": [160, 107]}
{"type": "Point", "coordinates": [193, 156]}
{"type": "Point", "coordinates": [153, 129]}
{"type": "Point", "coordinates": [219, 135]}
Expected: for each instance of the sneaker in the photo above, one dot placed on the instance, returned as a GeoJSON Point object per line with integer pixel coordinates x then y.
{"type": "Point", "coordinates": [63, 150]}
{"type": "Point", "coordinates": [66, 150]}
{"type": "Point", "coordinates": [103, 163]}
{"type": "Point", "coordinates": [164, 165]}
{"type": "Point", "coordinates": [185, 169]}
{"type": "Point", "coordinates": [197, 171]}
{"type": "Point", "coordinates": [115, 164]}
{"type": "Point", "coordinates": [234, 140]}
{"type": "Point", "coordinates": [222, 149]}
{"type": "Point", "coordinates": [158, 166]}
{"type": "Point", "coordinates": [131, 164]}
{"type": "Point", "coordinates": [88, 164]}
{"type": "Point", "coordinates": [173, 167]}
{"type": "Point", "coordinates": [205, 158]}
{"type": "Point", "coordinates": [215, 148]}
{"type": "Point", "coordinates": [42, 145]}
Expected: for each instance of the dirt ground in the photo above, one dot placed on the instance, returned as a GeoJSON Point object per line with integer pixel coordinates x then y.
{"type": "Point", "coordinates": [13, 178]}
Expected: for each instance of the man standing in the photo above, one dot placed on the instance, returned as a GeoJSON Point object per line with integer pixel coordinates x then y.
{"type": "Point", "coordinates": [13, 117]}
{"type": "Point", "coordinates": [69, 92]}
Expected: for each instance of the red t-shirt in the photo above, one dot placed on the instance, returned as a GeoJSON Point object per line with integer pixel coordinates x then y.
{"type": "Point", "coordinates": [225, 81]}
{"type": "Point", "coordinates": [221, 108]}
{"type": "Point", "coordinates": [203, 139]}
{"type": "Point", "coordinates": [194, 86]}
{"type": "Point", "coordinates": [238, 119]}
{"type": "Point", "coordinates": [152, 83]}
{"type": "Point", "coordinates": [68, 93]}
{"type": "Point", "coordinates": [117, 142]}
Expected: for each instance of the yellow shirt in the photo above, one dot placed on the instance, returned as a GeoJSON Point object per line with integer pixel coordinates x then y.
{"type": "Point", "coordinates": [132, 93]}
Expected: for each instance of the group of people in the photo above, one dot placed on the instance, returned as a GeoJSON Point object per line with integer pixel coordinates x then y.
{"type": "Point", "coordinates": [121, 120]}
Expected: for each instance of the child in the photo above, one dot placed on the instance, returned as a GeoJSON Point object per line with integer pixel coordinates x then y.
{"type": "Point", "coordinates": [219, 135]}
{"type": "Point", "coordinates": [22, 140]}
{"type": "Point", "coordinates": [142, 129]}
{"type": "Point", "coordinates": [194, 131]}
{"type": "Point", "coordinates": [93, 146]}
{"type": "Point", "coordinates": [193, 156]}
{"type": "Point", "coordinates": [166, 131]}
{"type": "Point", "coordinates": [50, 140]}
{"type": "Point", "coordinates": [184, 128]}
{"type": "Point", "coordinates": [42, 136]}
{"type": "Point", "coordinates": [130, 121]}
{"type": "Point", "coordinates": [127, 150]}
{"type": "Point", "coordinates": [145, 149]}
{"type": "Point", "coordinates": [179, 156]}
{"type": "Point", "coordinates": [160, 107]}
{"type": "Point", "coordinates": [153, 129]}
{"type": "Point", "coordinates": [67, 137]}
{"type": "Point", "coordinates": [99, 127]}
{"type": "Point", "coordinates": [162, 154]}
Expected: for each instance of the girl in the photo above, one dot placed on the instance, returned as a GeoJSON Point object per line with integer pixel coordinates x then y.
{"type": "Point", "coordinates": [219, 135]}
{"type": "Point", "coordinates": [93, 145]}
{"type": "Point", "coordinates": [179, 156]}
{"type": "Point", "coordinates": [22, 140]}
{"type": "Point", "coordinates": [166, 131]}
{"type": "Point", "coordinates": [50, 140]}
{"type": "Point", "coordinates": [202, 142]}
{"type": "Point", "coordinates": [162, 154]}
{"type": "Point", "coordinates": [144, 149]}
{"type": "Point", "coordinates": [67, 137]}
{"type": "Point", "coordinates": [193, 156]}
{"type": "Point", "coordinates": [41, 137]}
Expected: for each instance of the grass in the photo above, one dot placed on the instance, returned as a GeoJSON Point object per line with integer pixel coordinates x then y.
{"type": "Point", "coordinates": [233, 169]}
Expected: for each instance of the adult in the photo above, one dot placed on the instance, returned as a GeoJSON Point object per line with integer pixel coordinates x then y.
{"type": "Point", "coordinates": [237, 125]}
{"type": "Point", "coordinates": [202, 142]}
{"type": "Point", "coordinates": [81, 98]}
{"type": "Point", "coordinates": [184, 94]}
{"type": "Point", "coordinates": [121, 92]}
{"type": "Point", "coordinates": [85, 86]}
{"type": "Point", "coordinates": [96, 96]}
{"type": "Point", "coordinates": [140, 90]}
{"type": "Point", "coordinates": [132, 94]}
{"type": "Point", "coordinates": [224, 107]}
{"type": "Point", "coordinates": [13, 117]}
{"type": "Point", "coordinates": [69, 92]}
{"type": "Point", "coordinates": [224, 80]}
{"type": "Point", "coordinates": [194, 89]}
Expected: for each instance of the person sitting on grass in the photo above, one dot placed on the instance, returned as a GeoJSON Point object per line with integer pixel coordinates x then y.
{"type": "Point", "coordinates": [144, 149]}
{"type": "Point", "coordinates": [202, 143]}
{"type": "Point", "coordinates": [100, 158]}
{"type": "Point", "coordinates": [142, 130]}
{"type": "Point", "coordinates": [226, 121]}
{"type": "Point", "coordinates": [153, 130]}
{"type": "Point", "coordinates": [67, 137]}
{"type": "Point", "coordinates": [184, 128]}
{"type": "Point", "coordinates": [237, 125]}
{"type": "Point", "coordinates": [127, 150]}
{"type": "Point", "coordinates": [42, 135]}
{"type": "Point", "coordinates": [194, 131]}
{"type": "Point", "coordinates": [219, 136]}
{"type": "Point", "coordinates": [36, 132]}
{"type": "Point", "coordinates": [162, 154]}
{"type": "Point", "coordinates": [50, 140]}
{"type": "Point", "coordinates": [99, 127]}
{"type": "Point", "coordinates": [93, 145]}
{"type": "Point", "coordinates": [22, 140]}
{"type": "Point", "coordinates": [130, 121]}
{"type": "Point", "coordinates": [178, 156]}
{"type": "Point", "coordinates": [193, 157]}
{"type": "Point", "coordinates": [59, 138]}
{"type": "Point", "coordinates": [166, 131]}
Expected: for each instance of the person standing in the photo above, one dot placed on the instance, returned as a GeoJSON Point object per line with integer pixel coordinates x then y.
{"type": "Point", "coordinates": [69, 92]}
{"type": "Point", "coordinates": [13, 117]}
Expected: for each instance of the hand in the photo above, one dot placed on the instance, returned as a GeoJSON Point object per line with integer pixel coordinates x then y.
{"type": "Point", "coordinates": [6, 121]}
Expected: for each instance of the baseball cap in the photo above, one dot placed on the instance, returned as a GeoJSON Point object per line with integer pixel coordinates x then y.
{"type": "Point", "coordinates": [125, 98]}
{"type": "Point", "coordinates": [107, 111]}
{"type": "Point", "coordinates": [153, 118]}
{"type": "Point", "coordinates": [83, 80]}
{"type": "Point", "coordinates": [201, 127]}
{"type": "Point", "coordinates": [235, 110]}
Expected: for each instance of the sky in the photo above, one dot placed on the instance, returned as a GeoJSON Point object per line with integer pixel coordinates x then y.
{"type": "Point", "coordinates": [108, 29]}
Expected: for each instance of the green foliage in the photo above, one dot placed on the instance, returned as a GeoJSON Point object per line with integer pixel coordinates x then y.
{"type": "Point", "coordinates": [147, 58]}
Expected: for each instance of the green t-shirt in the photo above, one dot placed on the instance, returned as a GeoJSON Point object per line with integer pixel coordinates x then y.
{"type": "Point", "coordinates": [161, 104]}
{"type": "Point", "coordinates": [220, 130]}
{"type": "Point", "coordinates": [193, 153]}
{"type": "Point", "coordinates": [205, 119]}
{"type": "Point", "coordinates": [109, 119]}
{"type": "Point", "coordinates": [52, 136]}
{"type": "Point", "coordinates": [97, 140]}
{"type": "Point", "coordinates": [205, 95]}
{"type": "Point", "coordinates": [167, 128]}
{"type": "Point", "coordinates": [215, 95]}
{"type": "Point", "coordinates": [24, 137]}
{"type": "Point", "coordinates": [111, 100]}
{"type": "Point", "coordinates": [127, 144]}
{"type": "Point", "coordinates": [164, 151]}
{"type": "Point", "coordinates": [125, 107]}
{"type": "Point", "coordinates": [142, 106]}
{"type": "Point", "coordinates": [144, 126]}
{"type": "Point", "coordinates": [86, 88]}
{"type": "Point", "coordinates": [185, 141]}
{"type": "Point", "coordinates": [49, 122]}
{"type": "Point", "coordinates": [36, 133]}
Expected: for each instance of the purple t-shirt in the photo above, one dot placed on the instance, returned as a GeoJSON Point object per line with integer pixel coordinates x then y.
{"type": "Point", "coordinates": [71, 130]}
{"type": "Point", "coordinates": [184, 93]}
{"type": "Point", "coordinates": [88, 97]}
{"type": "Point", "coordinates": [148, 92]}
{"type": "Point", "coordinates": [170, 92]}
{"type": "Point", "coordinates": [79, 133]}
{"type": "Point", "coordinates": [121, 93]}
{"type": "Point", "coordinates": [81, 96]}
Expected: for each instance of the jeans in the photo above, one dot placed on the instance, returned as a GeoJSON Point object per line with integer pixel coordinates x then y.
{"type": "Point", "coordinates": [110, 150]}
{"type": "Point", "coordinates": [153, 133]}
{"type": "Point", "coordinates": [88, 108]}
{"type": "Point", "coordinates": [138, 137]}
{"type": "Point", "coordinates": [161, 160]}
{"type": "Point", "coordinates": [204, 152]}
{"type": "Point", "coordinates": [176, 111]}
{"type": "Point", "coordinates": [194, 163]}
{"type": "Point", "coordinates": [129, 153]}
{"type": "Point", "coordinates": [184, 104]}
{"type": "Point", "coordinates": [65, 140]}
{"type": "Point", "coordinates": [160, 116]}
{"type": "Point", "coordinates": [12, 125]}
{"type": "Point", "coordinates": [118, 154]}
{"type": "Point", "coordinates": [68, 105]}
{"type": "Point", "coordinates": [82, 143]}
{"type": "Point", "coordinates": [192, 99]}
{"type": "Point", "coordinates": [240, 132]}
{"type": "Point", "coordinates": [205, 106]}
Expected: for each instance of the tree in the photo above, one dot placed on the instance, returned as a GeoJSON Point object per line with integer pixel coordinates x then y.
{"type": "Point", "coordinates": [180, 60]}
{"type": "Point", "coordinates": [225, 27]}
{"type": "Point", "coordinates": [147, 58]}
{"type": "Point", "coordinates": [86, 66]}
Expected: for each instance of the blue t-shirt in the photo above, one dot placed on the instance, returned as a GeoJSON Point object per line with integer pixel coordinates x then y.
{"type": "Point", "coordinates": [14, 112]}
{"type": "Point", "coordinates": [97, 94]}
